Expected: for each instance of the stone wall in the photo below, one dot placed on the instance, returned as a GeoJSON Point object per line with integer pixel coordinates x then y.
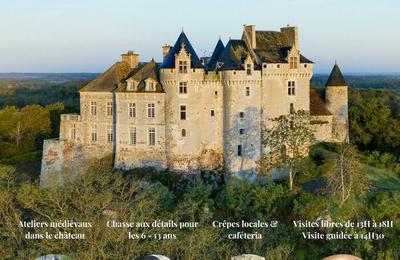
{"type": "Point", "coordinates": [242, 120]}
{"type": "Point", "coordinates": [141, 154]}
{"type": "Point", "coordinates": [64, 159]}
{"type": "Point", "coordinates": [322, 126]}
{"type": "Point", "coordinates": [202, 146]}
{"type": "Point", "coordinates": [337, 103]}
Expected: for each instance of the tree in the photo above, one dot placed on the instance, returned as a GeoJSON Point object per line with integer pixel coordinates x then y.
{"type": "Point", "coordinates": [346, 178]}
{"type": "Point", "coordinates": [368, 120]}
{"type": "Point", "coordinates": [23, 127]}
{"type": "Point", "coordinates": [288, 141]}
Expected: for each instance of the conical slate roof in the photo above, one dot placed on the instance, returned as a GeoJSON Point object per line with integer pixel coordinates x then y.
{"type": "Point", "coordinates": [219, 48]}
{"type": "Point", "coordinates": [169, 62]}
{"type": "Point", "coordinates": [336, 78]}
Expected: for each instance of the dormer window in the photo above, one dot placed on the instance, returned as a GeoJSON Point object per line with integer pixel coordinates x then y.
{"type": "Point", "coordinates": [151, 86]}
{"type": "Point", "coordinates": [248, 69]}
{"type": "Point", "coordinates": [131, 85]}
{"type": "Point", "coordinates": [293, 62]}
{"type": "Point", "coordinates": [183, 66]}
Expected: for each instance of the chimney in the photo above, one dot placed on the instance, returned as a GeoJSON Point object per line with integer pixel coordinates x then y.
{"type": "Point", "coordinates": [165, 50]}
{"type": "Point", "coordinates": [292, 34]}
{"type": "Point", "coordinates": [250, 33]}
{"type": "Point", "coordinates": [131, 58]}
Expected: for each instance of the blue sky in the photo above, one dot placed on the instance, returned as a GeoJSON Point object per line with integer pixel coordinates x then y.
{"type": "Point", "coordinates": [89, 35]}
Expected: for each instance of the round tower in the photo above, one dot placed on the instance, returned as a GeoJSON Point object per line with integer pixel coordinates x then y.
{"type": "Point", "coordinates": [336, 99]}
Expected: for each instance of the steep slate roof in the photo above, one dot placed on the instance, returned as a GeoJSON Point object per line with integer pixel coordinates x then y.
{"type": "Point", "coordinates": [336, 78]}
{"type": "Point", "coordinates": [266, 40]}
{"type": "Point", "coordinates": [170, 59]}
{"type": "Point", "coordinates": [219, 48]}
{"type": "Point", "coordinates": [149, 70]}
{"type": "Point", "coordinates": [273, 47]}
{"type": "Point", "coordinates": [109, 80]}
{"type": "Point", "coordinates": [233, 55]}
{"type": "Point", "coordinates": [133, 71]}
{"type": "Point", "coordinates": [317, 104]}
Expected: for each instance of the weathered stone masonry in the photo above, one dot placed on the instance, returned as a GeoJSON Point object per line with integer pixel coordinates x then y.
{"type": "Point", "coordinates": [189, 113]}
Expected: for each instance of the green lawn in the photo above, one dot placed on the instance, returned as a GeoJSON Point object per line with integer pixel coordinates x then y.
{"type": "Point", "coordinates": [382, 179]}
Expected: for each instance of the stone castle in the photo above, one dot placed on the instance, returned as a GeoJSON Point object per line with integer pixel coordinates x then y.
{"type": "Point", "coordinates": [189, 113]}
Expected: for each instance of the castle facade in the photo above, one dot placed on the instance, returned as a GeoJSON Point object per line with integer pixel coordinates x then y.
{"type": "Point", "coordinates": [188, 113]}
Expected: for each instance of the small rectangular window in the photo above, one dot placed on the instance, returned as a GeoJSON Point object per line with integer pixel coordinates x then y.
{"type": "Point", "coordinates": [132, 136]}
{"type": "Point", "coordinates": [212, 112]}
{"type": "Point", "coordinates": [151, 110]}
{"type": "Point", "coordinates": [292, 111]}
{"type": "Point", "coordinates": [183, 66]}
{"type": "Point", "coordinates": [291, 88]}
{"type": "Point", "coordinates": [241, 131]}
{"type": "Point", "coordinates": [247, 91]}
{"type": "Point", "coordinates": [183, 112]}
{"type": "Point", "coordinates": [132, 110]}
{"type": "Point", "coordinates": [241, 115]}
{"type": "Point", "coordinates": [109, 108]}
{"type": "Point", "coordinates": [239, 150]}
{"type": "Point", "coordinates": [183, 132]}
{"type": "Point", "coordinates": [93, 108]}
{"type": "Point", "coordinates": [182, 87]}
{"type": "Point", "coordinates": [152, 136]}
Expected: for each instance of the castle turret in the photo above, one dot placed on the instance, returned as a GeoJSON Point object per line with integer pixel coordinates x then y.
{"type": "Point", "coordinates": [337, 103]}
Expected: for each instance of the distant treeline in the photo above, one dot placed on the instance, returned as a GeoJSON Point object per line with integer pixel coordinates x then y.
{"type": "Point", "coordinates": [390, 82]}
{"type": "Point", "coordinates": [42, 92]}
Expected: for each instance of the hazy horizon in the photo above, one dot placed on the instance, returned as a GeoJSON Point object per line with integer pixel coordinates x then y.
{"type": "Point", "coordinates": [88, 37]}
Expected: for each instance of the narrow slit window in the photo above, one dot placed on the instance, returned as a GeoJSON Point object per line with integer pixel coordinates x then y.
{"type": "Point", "coordinates": [110, 136]}
{"type": "Point", "coordinates": [132, 110]}
{"type": "Point", "coordinates": [93, 108]}
{"type": "Point", "coordinates": [132, 136]}
{"type": "Point", "coordinates": [239, 150]}
{"type": "Point", "coordinates": [292, 111]}
{"type": "Point", "coordinates": [109, 108]}
{"type": "Point", "coordinates": [152, 136]}
{"type": "Point", "coordinates": [94, 134]}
